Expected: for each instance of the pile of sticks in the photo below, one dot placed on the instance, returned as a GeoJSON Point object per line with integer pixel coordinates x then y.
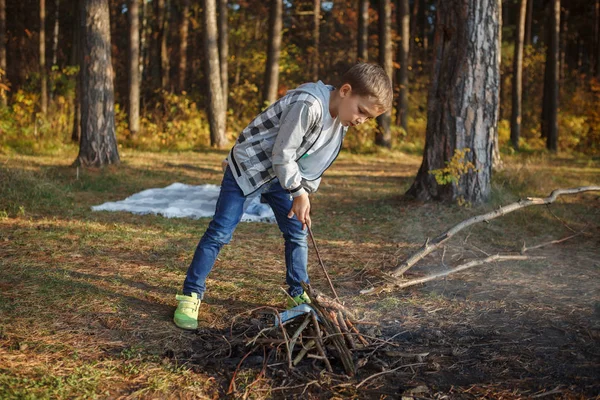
{"type": "Point", "coordinates": [330, 333]}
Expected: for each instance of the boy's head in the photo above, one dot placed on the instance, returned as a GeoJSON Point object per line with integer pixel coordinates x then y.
{"type": "Point", "coordinates": [365, 92]}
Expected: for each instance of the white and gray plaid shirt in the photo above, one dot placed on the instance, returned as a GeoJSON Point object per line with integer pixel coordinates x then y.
{"type": "Point", "coordinates": [274, 142]}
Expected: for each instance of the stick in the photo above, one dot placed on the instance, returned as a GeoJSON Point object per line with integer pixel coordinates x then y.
{"type": "Point", "coordinates": [302, 353]}
{"type": "Point", "coordinates": [321, 262]}
{"type": "Point", "coordinates": [462, 267]}
{"type": "Point", "coordinates": [386, 372]}
{"type": "Point", "coordinates": [429, 246]}
{"type": "Point", "coordinates": [298, 332]}
{"type": "Point", "coordinates": [319, 343]}
{"type": "Point", "coordinates": [345, 330]}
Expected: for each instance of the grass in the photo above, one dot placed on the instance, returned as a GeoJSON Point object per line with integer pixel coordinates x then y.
{"type": "Point", "coordinates": [87, 297]}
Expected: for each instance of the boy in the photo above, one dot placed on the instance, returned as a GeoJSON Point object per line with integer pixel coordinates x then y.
{"type": "Point", "coordinates": [282, 154]}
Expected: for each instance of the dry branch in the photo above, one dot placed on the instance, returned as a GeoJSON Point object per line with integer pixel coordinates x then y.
{"type": "Point", "coordinates": [431, 245]}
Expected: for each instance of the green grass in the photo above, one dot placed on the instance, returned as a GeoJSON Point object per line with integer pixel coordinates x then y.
{"type": "Point", "coordinates": [87, 297]}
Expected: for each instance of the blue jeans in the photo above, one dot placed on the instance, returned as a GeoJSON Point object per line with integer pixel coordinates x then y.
{"type": "Point", "coordinates": [228, 213]}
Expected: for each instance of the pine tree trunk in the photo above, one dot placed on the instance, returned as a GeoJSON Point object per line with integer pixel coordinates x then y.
{"type": "Point", "coordinates": [463, 99]}
{"type": "Point", "coordinates": [183, 44]}
{"type": "Point", "coordinates": [144, 43]}
{"type": "Point", "coordinates": [224, 50]}
{"type": "Point", "coordinates": [551, 73]}
{"type": "Point", "coordinates": [134, 66]}
{"type": "Point", "coordinates": [216, 113]}
{"type": "Point", "coordinates": [163, 18]}
{"type": "Point", "coordinates": [413, 32]}
{"type": "Point", "coordinates": [528, 23]}
{"type": "Point", "coordinates": [43, 75]}
{"type": "Point", "coordinates": [517, 84]}
{"type": "Point", "coordinates": [383, 136]}
{"type": "Point", "coordinates": [316, 38]}
{"type": "Point", "coordinates": [76, 60]}
{"type": "Point", "coordinates": [403, 17]}
{"type": "Point", "coordinates": [3, 80]}
{"type": "Point", "coordinates": [363, 30]}
{"type": "Point", "coordinates": [598, 39]}
{"type": "Point", "coordinates": [562, 48]}
{"type": "Point", "coordinates": [272, 68]}
{"type": "Point", "coordinates": [98, 144]}
{"type": "Point", "coordinates": [55, 33]}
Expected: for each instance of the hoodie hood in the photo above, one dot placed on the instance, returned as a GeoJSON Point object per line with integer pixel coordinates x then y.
{"type": "Point", "coordinates": [318, 89]}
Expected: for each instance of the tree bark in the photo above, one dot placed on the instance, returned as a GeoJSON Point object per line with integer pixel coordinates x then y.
{"type": "Point", "coordinates": [183, 45]}
{"type": "Point", "coordinates": [216, 113]}
{"type": "Point", "coordinates": [550, 106]}
{"type": "Point", "coordinates": [3, 79]}
{"type": "Point", "coordinates": [43, 75]}
{"type": "Point", "coordinates": [272, 68]}
{"type": "Point", "coordinates": [98, 144]}
{"type": "Point", "coordinates": [528, 23]}
{"type": "Point", "coordinates": [403, 17]}
{"type": "Point", "coordinates": [55, 33]}
{"type": "Point", "coordinates": [383, 136]}
{"type": "Point", "coordinates": [134, 66]}
{"type": "Point", "coordinates": [517, 89]}
{"type": "Point", "coordinates": [163, 18]}
{"type": "Point", "coordinates": [363, 31]}
{"type": "Point", "coordinates": [598, 39]}
{"type": "Point", "coordinates": [224, 51]}
{"type": "Point", "coordinates": [316, 38]}
{"type": "Point", "coordinates": [463, 99]}
{"type": "Point", "coordinates": [76, 60]}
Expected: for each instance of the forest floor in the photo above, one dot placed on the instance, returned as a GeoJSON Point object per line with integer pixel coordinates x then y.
{"type": "Point", "coordinates": [87, 298]}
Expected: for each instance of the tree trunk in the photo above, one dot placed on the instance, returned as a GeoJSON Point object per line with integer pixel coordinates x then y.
{"type": "Point", "coordinates": [423, 22]}
{"type": "Point", "coordinates": [463, 99]}
{"type": "Point", "coordinates": [3, 79]}
{"type": "Point", "coordinates": [517, 84]}
{"type": "Point", "coordinates": [528, 23]}
{"type": "Point", "coordinates": [76, 60]}
{"type": "Point", "coordinates": [224, 51]}
{"type": "Point", "coordinates": [550, 105]}
{"type": "Point", "coordinates": [598, 39]}
{"type": "Point", "coordinates": [144, 42]}
{"type": "Point", "coordinates": [562, 48]}
{"type": "Point", "coordinates": [272, 68]}
{"type": "Point", "coordinates": [55, 33]}
{"type": "Point", "coordinates": [183, 45]}
{"type": "Point", "coordinates": [98, 144]}
{"type": "Point", "coordinates": [413, 32]}
{"type": "Point", "coordinates": [383, 136]}
{"type": "Point", "coordinates": [216, 113]}
{"type": "Point", "coordinates": [43, 75]}
{"type": "Point", "coordinates": [163, 20]}
{"type": "Point", "coordinates": [363, 31]}
{"type": "Point", "coordinates": [403, 18]}
{"type": "Point", "coordinates": [134, 66]}
{"type": "Point", "coordinates": [316, 38]}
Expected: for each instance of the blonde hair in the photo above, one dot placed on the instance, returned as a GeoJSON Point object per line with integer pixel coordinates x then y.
{"type": "Point", "coordinates": [368, 79]}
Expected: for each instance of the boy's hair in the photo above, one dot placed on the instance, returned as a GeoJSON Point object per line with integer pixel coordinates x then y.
{"type": "Point", "coordinates": [369, 79]}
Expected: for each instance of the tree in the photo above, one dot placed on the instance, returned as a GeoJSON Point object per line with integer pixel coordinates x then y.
{"type": "Point", "coordinates": [224, 50]}
{"type": "Point", "coordinates": [216, 113]}
{"type": "Point", "coordinates": [134, 66]}
{"type": "Point", "coordinates": [384, 135]}
{"type": "Point", "coordinates": [551, 74]}
{"type": "Point", "coordinates": [316, 38]}
{"type": "Point", "coordinates": [183, 43]}
{"type": "Point", "coordinates": [403, 20]}
{"type": "Point", "coordinates": [43, 75]}
{"type": "Point", "coordinates": [98, 144]}
{"type": "Point", "coordinates": [55, 33]}
{"type": "Point", "coordinates": [467, 117]}
{"type": "Point", "coordinates": [2, 51]}
{"type": "Point", "coordinates": [272, 68]}
{"type": "Point", "coordinates": [363, 30]}
{"type": "Point", "coordinates": [517, 85]}
{"type": "Point", "coordinates": [163, 32]}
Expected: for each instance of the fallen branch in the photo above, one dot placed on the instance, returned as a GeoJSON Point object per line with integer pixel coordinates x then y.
{"type": "Point", "coordinates": [431, 245]}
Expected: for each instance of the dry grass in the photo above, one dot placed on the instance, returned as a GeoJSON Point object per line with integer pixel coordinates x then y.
{"type": "Point", "coordinates": [86, 299]}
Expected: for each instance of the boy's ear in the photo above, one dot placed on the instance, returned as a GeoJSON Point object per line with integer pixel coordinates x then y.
{"type": "Point", "coordinates": [345, 90]}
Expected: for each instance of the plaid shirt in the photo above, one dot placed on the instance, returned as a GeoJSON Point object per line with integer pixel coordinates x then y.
{"type": "Point", "coordinates": [273, 143]}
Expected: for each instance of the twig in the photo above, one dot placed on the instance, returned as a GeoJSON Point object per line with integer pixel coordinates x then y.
{"type": "Point", "coordinates": [319, 342]}
{"type": "Point", "coordinates": [322, 265]}
{"type": "Point", "coordinates": [524, 248]}
{"type": "Point", "coordinates": [299, 331]}
{"type": "Point", "coordinates": [386, 372]}
{"type": "Point", "coordinates": [462, 267]}
{"type": "Point", "coordinates": [232, 383]}
{"type": "Point", "coordinates": [429, 246]}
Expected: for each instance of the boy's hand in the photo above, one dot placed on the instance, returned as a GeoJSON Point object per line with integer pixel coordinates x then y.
{"type": "Point", "coordinates": [301, 209]}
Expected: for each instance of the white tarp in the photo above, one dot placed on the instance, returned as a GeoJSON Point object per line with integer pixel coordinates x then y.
{"type": "Point", "coordinates": [180, 200]}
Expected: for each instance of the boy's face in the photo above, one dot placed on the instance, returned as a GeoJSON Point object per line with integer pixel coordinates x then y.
{"type": "Point", "coordinates": [355, 109]}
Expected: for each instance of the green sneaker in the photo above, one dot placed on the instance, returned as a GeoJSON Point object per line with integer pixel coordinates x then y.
{"type": "Point", "coordinates": [186, 315]}
{"type": "Point", "coordinates": [300, 299]}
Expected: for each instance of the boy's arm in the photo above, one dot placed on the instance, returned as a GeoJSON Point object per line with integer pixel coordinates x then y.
{"type": "Point", "coordinates": [295, 123]}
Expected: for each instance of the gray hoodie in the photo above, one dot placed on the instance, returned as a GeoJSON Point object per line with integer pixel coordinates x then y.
{"type": "Point", "coordinates": [275, 143]}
